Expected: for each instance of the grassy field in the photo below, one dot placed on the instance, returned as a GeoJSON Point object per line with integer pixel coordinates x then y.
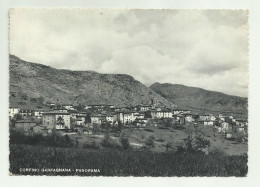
{"type": "Point", "coordinates": [113, 162]}
{"type": "Point", "coordinates": [137, 138]}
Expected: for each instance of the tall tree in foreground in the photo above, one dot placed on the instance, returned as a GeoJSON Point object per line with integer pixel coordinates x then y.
{"type": "Point", "coordinates": [88, 121]}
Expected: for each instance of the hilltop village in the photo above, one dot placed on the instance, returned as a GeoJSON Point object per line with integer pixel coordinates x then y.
{"type": "Point", "coordinates": [69, 118]}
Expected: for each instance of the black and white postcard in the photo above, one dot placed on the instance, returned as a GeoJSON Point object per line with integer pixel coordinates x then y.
{"type": "Point", "coordinates": [128, 92]}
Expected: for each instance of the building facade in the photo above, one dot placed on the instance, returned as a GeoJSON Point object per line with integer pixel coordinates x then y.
{"type": "Point", "coordinates": [57, 120]}
{"type": "Point", "coordinates": [161, 114]}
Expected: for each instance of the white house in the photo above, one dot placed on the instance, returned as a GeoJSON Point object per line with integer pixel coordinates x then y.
{"type": "Point", "coordinates": [209, 123]}
{"type": "Point", "coordinates": [144, 107]}
{"type": "Point", "coordinates": [204, 117]}
{"type": "Point", "coordinates": [110, 118]}
{"type": "Point", "coordinates": [79, 121]}
{"type": "Point", "coordinates": [138, 115]}
{"type": "Point", "coordinates": [189, 118]}
{"type": "Point", "coordinates": [81, 116]}
{"type": "Point", "coordinates": [97, 118]}
{"type": "Point", "coordinates": [124, 117]}
{"type": "Point", "coordinates": [73, 114]}
{"type": "Point", "coordinates": [161, 114]}
{"type": "Point", "coordinates": [240, 129]}
{"type": "Point", "coordinates": [38, 112]}
{"type": "Point", "coordinates": [26, 112]}
{"type": "Point", "coordinates": [212, 118]}
{"type": "Point", "coordinates": [13, 110]}
{"type": "Point", "coordinates": [177, 111]}
{"type": "Point", "coordinates": [225, 126]}
{"type": "Point", "coordinates": [228, 135]}
{"type": "Point", "coordinates": [68, 107]}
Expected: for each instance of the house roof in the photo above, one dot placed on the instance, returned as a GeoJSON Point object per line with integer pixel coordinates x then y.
{"type": "Point", "coordinates": [125, 112]}
{"type": "Point", "coordinates": [73, 111]}
{"type": "Point", "coordinates": [145, 105]}
{"type": "Point", "coordinates": [179, 109]}
{"type": "Point", "coordinates": [14, 107]}
{"type": "Point", "coordinates": [100, 105]}
{"type": "Point", "coordinates": [160, 111]}
{"type": "Point", "coordinates": [26, 121]}
{"type": "Point", "coordinates": [25, 109]}
{"type": "Point", "coordinates": [109, 115]}
{"type": "Point", "coordinates": [241, 120]}
{"type": "Point", "coordinates": [97, 115]}
{"type": "Point", "coordinates": [141, 119]}
{"type": "Point", "coordinates": [55, 113]}
{"type": "Point", "coordinates": [42, 110]}
{"type": "Point", "coordinates": [205, 121]}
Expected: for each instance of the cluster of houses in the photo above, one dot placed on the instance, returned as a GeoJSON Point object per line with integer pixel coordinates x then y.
{"type": "Point", "coordinates": [66, 117]}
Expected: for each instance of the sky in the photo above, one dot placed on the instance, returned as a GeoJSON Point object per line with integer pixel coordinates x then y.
{"type": "Point", "coordinates": [199, 48]}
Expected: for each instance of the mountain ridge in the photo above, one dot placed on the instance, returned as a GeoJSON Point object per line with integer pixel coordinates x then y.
{"type": "Point", "coordinates": [182, 85]}
{"type": "Point", "coordinates": [86, 87]}
{"type": "Point", "coordinates": [201, 100]}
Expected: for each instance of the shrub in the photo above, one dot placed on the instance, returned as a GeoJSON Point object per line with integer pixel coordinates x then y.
{"type": "Point", "coordinates": [106, 141]}
{"type": "Point", "coordinates": [92, 145]}
{"type": "Point", "coordinates": [109, 143]}
{"type": "Point", "coordinates": [54, 140]}
{"type": "Point", "coordinates": [96, 129]}
{"type": "Point", "coordinates": [149, 130]}
{"type": "Point", "coordinates": [168, 145]}
{"type": "Point", "coordinates": [193, 144]}
{"type": "Point", "coordinates": [124, 141]}
{"type": "Point", "coordinates": [160, 127]}
{"type": "Point", "coordinates": [150, 142]}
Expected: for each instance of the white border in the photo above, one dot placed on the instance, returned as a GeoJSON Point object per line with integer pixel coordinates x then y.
{"type": "Point", "coordinates": [254, 93]}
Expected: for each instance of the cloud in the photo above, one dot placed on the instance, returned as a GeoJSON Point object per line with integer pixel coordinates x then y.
{"type": "Point", "coordinates": [207, 49]}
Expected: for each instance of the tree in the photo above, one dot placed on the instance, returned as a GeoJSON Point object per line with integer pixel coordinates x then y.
{"type": "Point", "coordinates": [201, 143]}
{"type": "Point", "coordinates": [80, 107]}
{"type": "Point", "coordinates": [88, 121]}
{"type": "Point", "coordinates": [117, 126]}
{"type": "Point", "coordinates": [239, 136]}
{"type": "Point", "coordinates": [96, 128]}
{"type": "Point", "coordinates": [16, 118]}
{"type": "Point", "coordinates": [196, 117]}
{"type": "Point", "coordinates": [67, 139]}
{"type": "Point", "coordinates": [148, 114]}
{"type": "Point", "coordinates": [58, 105]}
{"type": "Point", "coordinates": [150, 142]}
{"type": "Point", "coordinates": [124, 141]}
{"type": "Point", "coordinates": [33, 100]}
{"type": "Point", "coordinates": [194, 142]}
{"type": "Point", "coordinates": [168, 122]}
{"type": "Point", "coordinates": [168, 145]}
{"type": "Point", "coordinates": [88, 118]}
{"type": "Point", "coordinates": [77, 143]}
{"type": "Point", "coordinates": [72, 123]}
{"type": "Point", "coordinates": [106, 126]}
{"type": "Point", "coordinates": [23, 96]}
{"type": "Point", "coordinates": [60, 121]}
{"type": "Point", "coordinates": [41, 100]}
{"type": "Point", "coordinates": [106, 141]}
